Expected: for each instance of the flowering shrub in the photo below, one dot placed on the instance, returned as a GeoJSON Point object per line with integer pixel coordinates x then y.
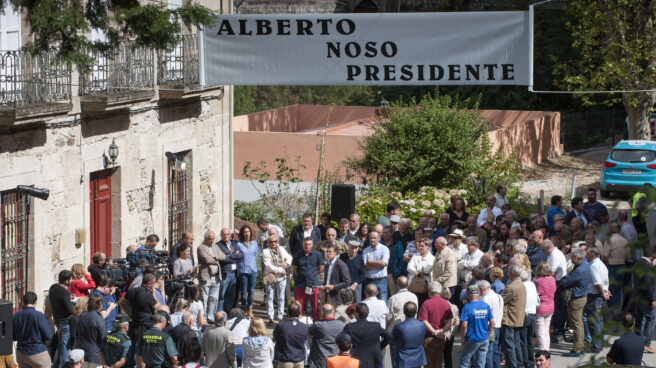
{"type": "Point", "coordinates": [373, 202]}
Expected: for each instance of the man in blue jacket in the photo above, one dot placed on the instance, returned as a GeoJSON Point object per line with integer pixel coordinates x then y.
{"type": "Point", "coordinates": [407, 339]}
{"type": "Point", "coordinates": [228, 271]}
{"type": "Point", "coordinates": [302, 231]}
{"type": "Point", "coordinates": [31, 330]}
{"type": "Point", "coordinates": [579, 281]}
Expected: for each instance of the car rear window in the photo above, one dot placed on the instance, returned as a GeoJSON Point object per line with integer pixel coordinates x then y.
{"type": "Point", "coordinates": [627, 155]}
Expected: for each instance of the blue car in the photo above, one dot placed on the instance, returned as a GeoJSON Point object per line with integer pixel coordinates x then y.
{"type": "Point", "coordinates": [630, 164]}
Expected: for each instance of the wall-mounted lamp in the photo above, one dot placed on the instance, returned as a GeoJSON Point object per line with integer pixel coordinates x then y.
{"type": "Point", "coordinates": [180, 165]}
{"type": "Point", "coordinates": [113, 154]}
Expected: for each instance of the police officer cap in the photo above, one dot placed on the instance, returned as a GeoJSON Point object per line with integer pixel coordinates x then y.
{"type": "Point", "coordinates": [122, 317]}
{"type": "Point", "coordinates": [75, 355]}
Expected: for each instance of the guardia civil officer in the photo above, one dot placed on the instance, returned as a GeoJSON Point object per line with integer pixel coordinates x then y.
{"type": "Point", "coordinates": [156, 348]}
{"type": "Point", "coordinates": [115, 347]}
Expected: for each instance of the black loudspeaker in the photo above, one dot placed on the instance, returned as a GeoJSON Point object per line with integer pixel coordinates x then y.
{"type": "Point", "coordinates": [6, 340]}
{"type": "Point", "coordinates": [342, 202]}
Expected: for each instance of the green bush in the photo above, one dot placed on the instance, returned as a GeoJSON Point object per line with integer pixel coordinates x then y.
{"type": "Point", "coordinates": [440, 141]}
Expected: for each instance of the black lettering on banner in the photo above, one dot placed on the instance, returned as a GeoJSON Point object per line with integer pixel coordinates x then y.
{"type": "Point", "coordinates": [304, 27]}
{"type": "Point", "coordinates": [388, 49]}
{"type": "Point", "coordinates": [454, 72]}
{"type": "Point", "coordinates": [438, 69]}
{"type": "Point", "coordinates": [473, 71]}
{"type": "Point", "coordinates": [371, 72]}
{"type": "Point", "coordinates": [406, 73]}
{"type": "Point", "coordinates": [490, 70]}
{"type": "Point", "coordinates": [370, 48]}
{"type": "Point", "coordinates": [324, 25]}
{"type": "Point", "coordinates": [507, 71]}
{"type": "Point", "coordinates": [263, 27]}
{"type": "Point", "coordinates": [225, 27]}
{"type": "Point", "coordinates": [335, 47]}
{"type": "Point", "coordinates": [352, 49]}
{"type": "Point", "coordinates": [352, 71]}
{"type": "Point", "coordinates": [420, 72]}
{"type": "Point", "coordinates": [342, 30]}
{"type": "Point", "coordinates": [242, 28]}
{"type": "Point", "coordinates": [390, 71]}
{"type": "Point", "coordinates": [283, 27]}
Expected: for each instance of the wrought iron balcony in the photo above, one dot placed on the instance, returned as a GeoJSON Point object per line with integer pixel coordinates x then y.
{"type": "Point", "coordinates": [178, 69]}
{"type": "Point", "coordinates": [117, 77]}
{"type": "Point", "coordinates": [33, 85]}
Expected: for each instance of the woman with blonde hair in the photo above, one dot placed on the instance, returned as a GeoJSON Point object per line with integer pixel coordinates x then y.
{"type": "Point", "coordinates": [545, 284]}
{"type": "Point", "coordinates": [257, 347]}
{"type": "Point", "coordinates": [79, 308]}
{"type": "Point", "coordinates": [79, 287]}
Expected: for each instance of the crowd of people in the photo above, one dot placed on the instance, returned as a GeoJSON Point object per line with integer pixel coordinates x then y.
{"type": "Point", "coordinates": [338, 296]}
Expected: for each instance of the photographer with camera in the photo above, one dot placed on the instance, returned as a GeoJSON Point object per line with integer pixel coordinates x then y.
{"type": "Point", "coordinates": [147, 250]}
{"type": "Point", "coordinates": [99, 266]}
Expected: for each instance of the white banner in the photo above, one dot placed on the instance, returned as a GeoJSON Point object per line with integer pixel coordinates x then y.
{"type": "Point", "coordinates": [472, 48]}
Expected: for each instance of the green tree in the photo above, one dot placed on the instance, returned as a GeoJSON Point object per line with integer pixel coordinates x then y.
{"type": "Point", "coordinates": [439, 141]}
{"type": "Point", "coordinates": [65, 25]}
{"type": "Point", "coordinates": [617, 45]}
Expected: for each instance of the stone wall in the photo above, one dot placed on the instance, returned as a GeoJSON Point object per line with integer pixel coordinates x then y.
{"type": "Point", "coordinates": [61, 154]}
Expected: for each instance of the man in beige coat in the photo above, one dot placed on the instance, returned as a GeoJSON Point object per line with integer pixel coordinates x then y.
{"type": "Point", "coordinates": [209, 273]}
{"type": "Point", "coordinates": [218, 344]}
{"type": "Point", "coordinates": [445, 266]}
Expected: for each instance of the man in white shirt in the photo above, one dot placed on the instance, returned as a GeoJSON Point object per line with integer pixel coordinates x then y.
{"type": "Point", "coordinates": [555, 258]}
{"type": "Point", "coordinates": [496, 211]}
{"type": "Point", "coordinates": [455, 243]}
{"type": "Point", "coordinates": [377, 308]}
{"type": "Point", "coordinates": [597, 294]}
{"type": "Point", "coordinates": [526, 332]}
{"type": "Point", "coordinates": [396, 302]}
{"type": "Point", "coordinates": [495, 301]}
{"type": "Point", "coordinates": [469, 260]}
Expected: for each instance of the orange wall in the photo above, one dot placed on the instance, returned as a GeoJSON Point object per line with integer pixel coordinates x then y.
{"type": "Point", "coordinates": [300, 117]}
{"type": "Point", "coordinates": [258, 146]}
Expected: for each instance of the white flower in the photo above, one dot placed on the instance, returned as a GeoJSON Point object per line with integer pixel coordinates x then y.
{"type": "Point", "coordinates": [432, 212]}
{"type": "Point", "coordinates": [423, 193]}
{"type": "Point", "coordinates": [425, 203]}
{"type": "Point", "coordinates": [413, 210]}
{"type": "Point", "coordinates": [462, 191]}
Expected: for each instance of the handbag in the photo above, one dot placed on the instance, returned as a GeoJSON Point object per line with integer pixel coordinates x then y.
{"type": "Point", "coordinates": [418, 285]}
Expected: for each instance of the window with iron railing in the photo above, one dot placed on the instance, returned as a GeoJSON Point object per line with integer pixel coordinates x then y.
{"type": "Point", "coordinates": [178, 198]}
{"type": "Point", "coordinates": [179, 67]}
{"type": "Point", "coordinates": [13, 246]}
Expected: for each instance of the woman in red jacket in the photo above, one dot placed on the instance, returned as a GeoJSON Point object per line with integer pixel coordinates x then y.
{"type": "Point", "coordinates": [82, 282]}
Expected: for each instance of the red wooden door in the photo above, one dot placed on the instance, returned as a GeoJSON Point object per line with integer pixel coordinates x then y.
{"type": "Point", "coordinates": [101, 213]}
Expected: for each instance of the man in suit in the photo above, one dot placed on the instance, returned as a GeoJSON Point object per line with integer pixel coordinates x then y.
{"type": "Point", "coordinates": [209, 274]}
{"type": "Point", "coordinates": [218, 344]}
{"type": "Point", "coordinates": [336, 276]}
{"type": "Point", "coordinates": [407, 339]}
{"type": "Point", "coordinates": [302, 231]}
{"type": "Point", "coordinates": [369, 339]}
{"type": "Point", "coordinates": [323, 334]}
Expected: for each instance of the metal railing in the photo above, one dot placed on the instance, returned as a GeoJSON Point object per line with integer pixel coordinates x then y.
{"type": "Point", "coordinates": [27, 79]}
{"type": "Point", "coordinates": [123, 70]}
{"type": "Point", "coordinates": [180, 66]}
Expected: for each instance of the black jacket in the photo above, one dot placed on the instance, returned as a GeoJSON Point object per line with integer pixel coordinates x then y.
{"type": "Point", "coordinates": [296, 238]}
{"type": "Point", "coordinates": [60, 303]}
{"type": "Point", "coordinates": [367, 342]}
{"type": "Point", "coordinates": [355, 267]}
{"type": "Point", "coordinates": [340, 278]}
{"type": "Point", "coordinates": [644, 285]}
{"type": "Point", "coordinates": [183, 335]}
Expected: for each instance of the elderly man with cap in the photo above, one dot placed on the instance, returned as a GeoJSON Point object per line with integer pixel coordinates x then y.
{"type": "Point", "coordinates": [115, 346]}
{"type": "Point", "coordinates": [476, 326]}
{"type": "Point", "coordinates": [355, 264]}
{"type": "Point", "coordinates": [455, 243]}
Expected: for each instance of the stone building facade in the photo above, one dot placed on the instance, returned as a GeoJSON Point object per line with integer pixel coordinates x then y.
{"type": "Point", "coordinates": [59, 130]}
